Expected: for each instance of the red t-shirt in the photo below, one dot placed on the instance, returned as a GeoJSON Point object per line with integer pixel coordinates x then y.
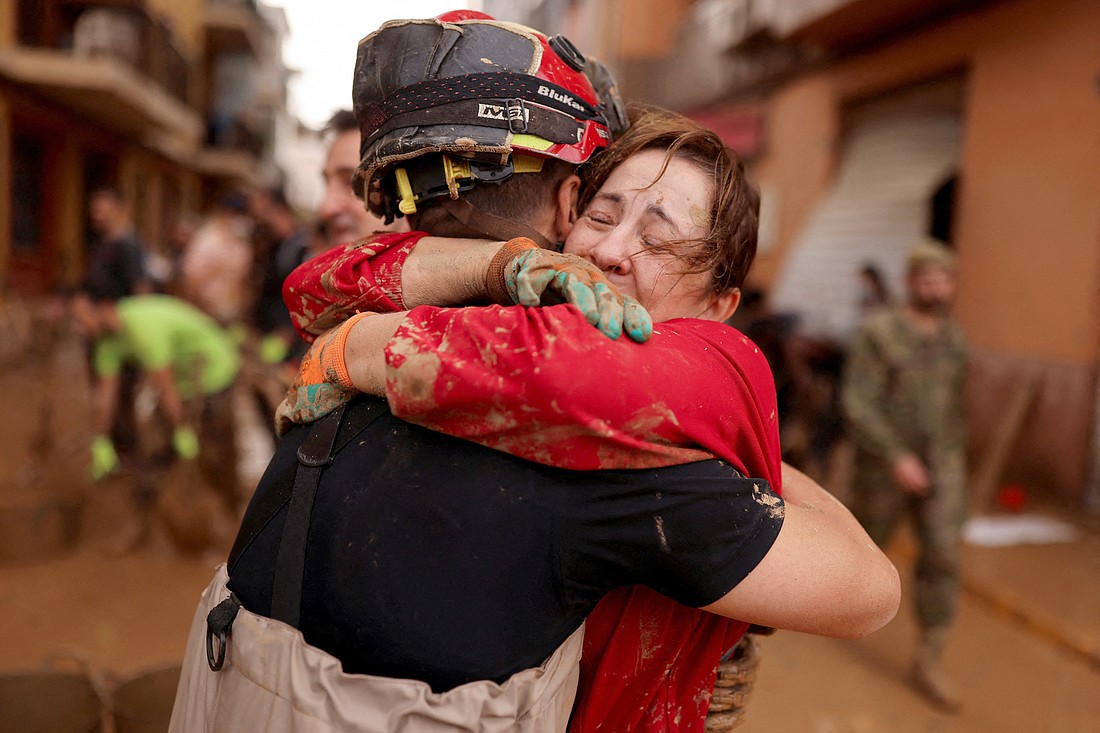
{"type": "Point", "coordinates": [543, 384]}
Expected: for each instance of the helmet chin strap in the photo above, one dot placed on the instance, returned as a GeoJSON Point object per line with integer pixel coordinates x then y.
{"type": "Point", "coordinates": [493, 227]}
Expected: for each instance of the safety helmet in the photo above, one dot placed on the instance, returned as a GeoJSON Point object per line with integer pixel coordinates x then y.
{"type": "Point", "coordinates": [450, 102]}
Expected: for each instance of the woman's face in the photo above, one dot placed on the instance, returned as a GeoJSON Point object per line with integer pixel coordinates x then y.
{"type": "Point", "coordinates": [627, 222]}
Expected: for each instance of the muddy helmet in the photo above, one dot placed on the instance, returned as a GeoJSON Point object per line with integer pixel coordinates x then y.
{"type": "Point", "coordinates": [451, 102]}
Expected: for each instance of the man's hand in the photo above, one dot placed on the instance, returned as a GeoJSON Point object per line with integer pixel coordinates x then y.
{"type": "Point", "coordinates": [104, 457]}
{"type": "Point", "coordinates": [322, 383]}
{"type": "Point", "coordinates": [911, 476]}
{"type": "Point", "coordinates": [534, 276]}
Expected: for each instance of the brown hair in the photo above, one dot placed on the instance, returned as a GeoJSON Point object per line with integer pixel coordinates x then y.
{"type": "Point", "coordinates": [342, 120]}
{"type": "Point", "coordinates": [728, 249]}
{"type": "Point", "coordinates": [520, 198]}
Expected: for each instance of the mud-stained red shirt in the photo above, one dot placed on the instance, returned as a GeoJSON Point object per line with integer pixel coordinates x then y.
{"type": "Point", "coordinates": [544, 385]}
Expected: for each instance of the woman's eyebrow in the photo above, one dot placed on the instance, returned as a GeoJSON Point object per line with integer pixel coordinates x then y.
{"type": "Point", "coordinates": [659, 211]}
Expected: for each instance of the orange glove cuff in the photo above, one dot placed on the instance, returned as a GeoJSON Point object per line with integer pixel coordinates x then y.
{"type": "Point", "coordinates": [494, 279]}
{"type": "Point", "coordinates": [333, 364]}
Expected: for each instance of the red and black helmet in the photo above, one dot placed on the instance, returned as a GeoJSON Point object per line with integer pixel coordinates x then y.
{"type": "Point", "coordinates": [489, 96]}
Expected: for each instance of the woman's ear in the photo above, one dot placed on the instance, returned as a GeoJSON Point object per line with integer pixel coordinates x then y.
{"type": "Point", "coordinates": [723, 305]}
{"type": "Point", "coordinates": [568, 194]}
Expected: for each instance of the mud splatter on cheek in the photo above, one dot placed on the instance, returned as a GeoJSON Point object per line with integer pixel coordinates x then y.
{"type": "Point", "coordinates": [699, 217]}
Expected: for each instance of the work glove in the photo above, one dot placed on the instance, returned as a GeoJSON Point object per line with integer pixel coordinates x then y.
{"type": "Point", "coordinates": [525, 274]}
{"type": "Point", "coordinates": [104, 457]}
{"type": "Point", "coordinates": [322, 383]}
{"type": "Point", "coordinates": [185, 442]}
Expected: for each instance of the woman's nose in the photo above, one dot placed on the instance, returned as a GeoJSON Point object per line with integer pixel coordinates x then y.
{"type": "Point", "coordinates": [612, 254]}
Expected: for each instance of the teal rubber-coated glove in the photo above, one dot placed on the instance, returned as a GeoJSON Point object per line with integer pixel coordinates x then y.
{"type": "Point", "coordinates": [542, 277]}
{"type": "Point", "coordinates": [273, 349]}
{"type": "Point", "coordinates": [104, 457]}
{"type": "Point", "coordinates": [185, 443]}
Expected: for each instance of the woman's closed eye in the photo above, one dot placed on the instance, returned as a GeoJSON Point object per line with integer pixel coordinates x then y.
{"type": "Point", "coordinates": [600, 218]}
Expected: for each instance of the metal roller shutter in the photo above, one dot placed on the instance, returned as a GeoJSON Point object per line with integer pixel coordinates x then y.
{"type": "Point", "coordinates": [897, 152]}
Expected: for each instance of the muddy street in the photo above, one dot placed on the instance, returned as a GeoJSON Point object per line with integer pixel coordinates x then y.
{"type": "Point", "coordinates": [1020, 666]}
{"type": "Point", "coordinates": [1026, 649]}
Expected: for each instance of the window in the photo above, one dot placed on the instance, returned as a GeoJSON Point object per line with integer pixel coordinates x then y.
{"type": "Point", "coordinates": [26, 177]}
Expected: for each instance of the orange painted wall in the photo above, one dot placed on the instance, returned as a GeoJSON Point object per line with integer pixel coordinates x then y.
{"type": "Point", "coordinates": [647, 28]}
{"type": "Point", "coordinates": [1029, 227]}
{"type": "Point", "coordinates": [1028, 224]}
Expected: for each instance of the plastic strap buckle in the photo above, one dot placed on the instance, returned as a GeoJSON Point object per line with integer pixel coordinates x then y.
{"type": "Point", "coordinates": [516, 112]}
{"type": "Point", "coordinates": [219, 622]}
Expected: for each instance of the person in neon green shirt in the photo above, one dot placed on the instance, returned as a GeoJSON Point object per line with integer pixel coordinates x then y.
{"type": "Point", "coordinates": [187, 357]}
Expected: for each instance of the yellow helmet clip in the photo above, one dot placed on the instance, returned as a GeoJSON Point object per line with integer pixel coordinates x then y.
{"type": "Point", "coordinates": [452, 171]}
{"type": "Point", "coordinates": [407, 204]}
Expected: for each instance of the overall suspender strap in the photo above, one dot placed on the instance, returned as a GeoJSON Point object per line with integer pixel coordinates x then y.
{"type": "Point", "coordinates": [330, 434]}
{"type": "Point", "coordinates": [360, 413]}
{"type": "Point", "coordinates": [313, 456]}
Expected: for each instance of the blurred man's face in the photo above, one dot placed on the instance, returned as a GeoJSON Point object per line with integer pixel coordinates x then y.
{"type": "Point", "coordinates": [104, 212]}
{"type": "Point", "coordinates": [932, 289]}
{"type": "Point", "coordinates": [344, 216]}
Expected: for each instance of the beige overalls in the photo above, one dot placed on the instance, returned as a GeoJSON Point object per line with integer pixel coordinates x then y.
{"type": "Point", "coordinates": [273, 681]}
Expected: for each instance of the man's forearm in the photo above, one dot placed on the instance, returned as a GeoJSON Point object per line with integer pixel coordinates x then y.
{"type": "Point", "coordinates": [106, 399]}
{"type": "Point", "coordinates": [169, 396]}
{"type": "Point", "coordinates": [443, 271]}
{"type": "Point", "coordinates": [503, 377]}
{"type": "Point", "coordinates": [364, 351]}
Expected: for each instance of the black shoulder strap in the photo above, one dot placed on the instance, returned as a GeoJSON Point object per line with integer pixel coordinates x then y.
{"type": "Point", "coordinates": [314, 455]}
{"type": "Point", "coordinates": [329, 435]}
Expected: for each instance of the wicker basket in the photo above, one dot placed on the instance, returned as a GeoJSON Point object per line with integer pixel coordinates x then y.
{"type": "Point", "coordinates": [736, 676]}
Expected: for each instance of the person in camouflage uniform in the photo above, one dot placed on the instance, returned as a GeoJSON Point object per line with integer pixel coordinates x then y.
{"type": "Point", "coordinates": [903, 398]}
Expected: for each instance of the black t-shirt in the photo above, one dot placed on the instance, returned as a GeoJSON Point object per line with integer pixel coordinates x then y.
{"type": "Point", "coordinates": [436, 559]}
{"type": "Point", "coordinates": [115, 266]}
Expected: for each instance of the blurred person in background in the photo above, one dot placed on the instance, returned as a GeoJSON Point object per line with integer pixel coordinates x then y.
{"type": "Point", "coordinates": [874, 293]}
{"type": "Point", "coordinates": [116, 259]}
{"type": "Point", "coordinates": [903, 395]}
{"type": "Point", "coordinates": [289, 247]}
{"type": "Point", "coordinates": [183, 230]}
{"type": "Point", "coordinates": [187, 358]}
{"type": "Point", "coordinates": [342, 212]}
{"type": "Point", "coordinates": [216, 264]}
{"type": "Point", "coordinates": [280, 243]}
{"type": "Point", "coordinates": [116, 266]}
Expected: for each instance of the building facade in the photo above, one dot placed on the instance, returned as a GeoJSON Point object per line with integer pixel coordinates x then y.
{"type": "Point", "coordinates": [170, 101]}
{"type": "Point", "coordinates": [868, 123]}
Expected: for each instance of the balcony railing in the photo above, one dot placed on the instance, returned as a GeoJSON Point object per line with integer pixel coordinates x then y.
{"type": "Point", "coordinates": [120, 29]}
